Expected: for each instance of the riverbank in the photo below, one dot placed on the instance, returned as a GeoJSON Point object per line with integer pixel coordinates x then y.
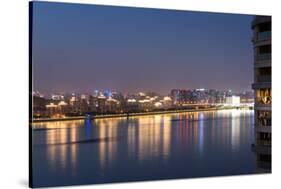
{"type": "Point", "coordinates": [131, 114]}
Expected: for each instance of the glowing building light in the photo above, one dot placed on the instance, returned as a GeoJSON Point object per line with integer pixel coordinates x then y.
{"type": "Point", "coordinates": [101, 96]}
{"type": "Point", "coordinates": [62, 103]}
{"type": "Point", "coordinates": [51, 105]}
{"type": "Point", "coordinates": [83, 96]}
{"type": "Point", "coordinates": [166, 98]}
{"type": "Point", "coordinates": [143, 101]}
{"type": "Point", "coordinates": [157, 104]}
{"type": "Point", "coordinates": [131, 100]}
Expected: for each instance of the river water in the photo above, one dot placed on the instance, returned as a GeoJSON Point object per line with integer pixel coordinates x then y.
{"type": "Point", "coordinates": [180, 145]}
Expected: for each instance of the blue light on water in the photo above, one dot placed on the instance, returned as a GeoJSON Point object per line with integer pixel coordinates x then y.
{"type": "Point", "coordinates": [88, 126]}
{"type": "Point", "coordinates": [201, 117]}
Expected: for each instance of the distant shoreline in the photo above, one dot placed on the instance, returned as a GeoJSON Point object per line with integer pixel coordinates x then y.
{"type": "Point", "coordinates": [132, 114]}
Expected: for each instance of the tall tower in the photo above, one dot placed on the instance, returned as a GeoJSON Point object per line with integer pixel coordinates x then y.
{"type": "Point", "coordinates": [261, 26]}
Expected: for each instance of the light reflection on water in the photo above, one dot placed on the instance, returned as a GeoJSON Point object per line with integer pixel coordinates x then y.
{"type": "Point", "coordinates": [121, 149]}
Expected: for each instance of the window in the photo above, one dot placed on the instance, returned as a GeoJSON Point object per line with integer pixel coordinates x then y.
{"type": "Point", "coordinates": [265, 71]}
{"type": "Point", "coordinates": [264, 118]}
{"type": "Point", "coordinates": [265, 136]}
{"type": "Point", "coordinates": [265, 49]}
{"type": "Point", "coordinates": [263, 96]}
{"type": "Point", "coordinates": [264, 27]}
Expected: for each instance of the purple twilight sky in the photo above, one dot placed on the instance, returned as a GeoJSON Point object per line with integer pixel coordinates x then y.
{"type": "Point", "coordinates": [80, 48]}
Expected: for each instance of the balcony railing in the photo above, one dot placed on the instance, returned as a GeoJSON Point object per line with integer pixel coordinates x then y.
{"type": "Point", "coordinates": [266, 56]}
{"type": "Point", "coordinates": [261, 149]}
{"type": "Point", "coordinates": [264, 142]}
{"type": "Point", "coordinates": [264, 121]}
{"type": "Point", "coordinates": [264, 35]}
{"type": "Point", "coordinates": [263, 129]}
{"type": "Point", "coordinates": [264, 78]}
{"type": "Point", "coordinates": [260, 19]}
{"type": "Point", "coordinates": [261, 85]}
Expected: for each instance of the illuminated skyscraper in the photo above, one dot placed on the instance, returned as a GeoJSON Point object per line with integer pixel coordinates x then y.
{"type": "Point", "coordinates": [261, 26]}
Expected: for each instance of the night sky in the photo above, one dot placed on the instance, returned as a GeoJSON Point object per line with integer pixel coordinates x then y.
{"type": "Point", "coordinates": [80, 48]}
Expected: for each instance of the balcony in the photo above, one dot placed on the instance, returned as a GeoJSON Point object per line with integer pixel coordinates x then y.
{"type": "Point", "coordinates": [263, 129]}
{"type": "Point", "coordinates": [260, 20]}
{"type": "Point", "coordinates": [262, 85]}
{"type": "Point", "coordinates": [265, 143]}
{"type": "Point", "coordinates": [264, 78]}
{"type": "Point", "coordinates": [265, 56]}
{"type": "Point", "coordinates": [264, 107]}
{"type": "Point", "coordinates": [264, 121]}
{"type": "Point", "coordinates": [261, 149]}
{"type": "Point", "coordinates": [264, 35]}
{"type": "Point", "coordinates": [263, 103]}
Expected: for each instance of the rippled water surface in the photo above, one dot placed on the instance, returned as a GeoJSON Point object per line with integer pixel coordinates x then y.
{"type": "Point", "coordinates": [182, 145]}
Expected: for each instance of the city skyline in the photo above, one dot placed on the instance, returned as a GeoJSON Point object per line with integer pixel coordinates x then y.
{"type": "Point", "coordinates": [135, 49]}
{"type": "Point", "coordinates": [92, 92]}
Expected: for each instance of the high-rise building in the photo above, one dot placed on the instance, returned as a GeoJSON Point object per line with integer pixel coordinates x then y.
{"type": "Point", "coordinates": [57, 97]}
{"type": "Point", "coordinates": [261, 26]}
{"type": "Point", "coordinates": [180, 96]}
